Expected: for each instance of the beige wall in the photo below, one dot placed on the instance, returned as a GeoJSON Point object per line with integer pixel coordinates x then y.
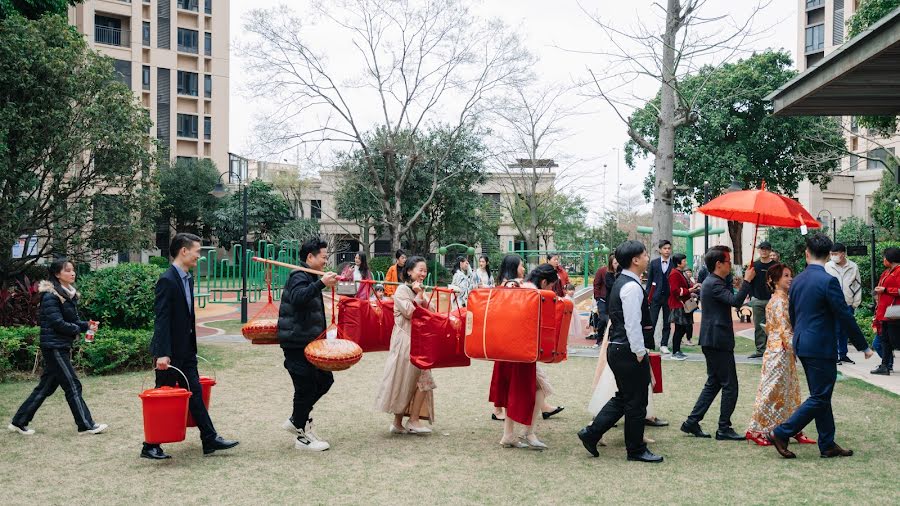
{"type": "Point", "coordinates": [133, 14]}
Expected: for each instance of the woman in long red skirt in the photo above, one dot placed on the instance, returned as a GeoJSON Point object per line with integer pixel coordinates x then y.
{"type": "Point", "coordinates": [517, 386]}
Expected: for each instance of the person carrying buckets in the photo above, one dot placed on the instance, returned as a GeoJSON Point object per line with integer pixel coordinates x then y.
{"type": "Point", "coordinates": [175, 341]}
{"type": "Point", "coordinates": [301, 320]}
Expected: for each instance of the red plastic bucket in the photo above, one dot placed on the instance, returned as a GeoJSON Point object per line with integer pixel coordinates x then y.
{"type": "Point", "coordinates": [206, 383]}
{"type": "Point", "coordinates": [165, 413]}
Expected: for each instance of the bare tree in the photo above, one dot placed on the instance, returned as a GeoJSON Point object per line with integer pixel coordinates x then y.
{"type": "Point", "coordinates": [685, 41]}
{"type": "Point", "coordinates": [292, 186]}
{"type": "Point", "coordinates": [419, 64]}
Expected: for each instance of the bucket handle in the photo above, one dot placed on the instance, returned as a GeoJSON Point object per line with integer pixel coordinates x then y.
{"type": "Point", "coordinates": [210, 364]}
{"type": "Point", "coordinates": [186, 382]}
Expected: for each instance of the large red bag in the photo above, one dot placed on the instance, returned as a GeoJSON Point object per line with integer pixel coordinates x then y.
{"type": "Point", "coordinates": [559, 351]}
{"type": "Point", "coordinates": [437, 338]}
{"type": "Point", "coordinates": [656, 371]}
{"type": "Point", "coordinates": [368, 323]}
{"type": "Point", "coordinates": [511, 325]}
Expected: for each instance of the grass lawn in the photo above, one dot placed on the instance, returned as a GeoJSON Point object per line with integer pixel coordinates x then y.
{"type": "Point", "coordinates": [460, 463]}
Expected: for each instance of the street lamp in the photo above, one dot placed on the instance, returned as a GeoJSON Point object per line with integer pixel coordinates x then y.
{"type": "Point", "coordinates": [705, 219]}
{"type": "Point", "coordinates": [833, 222]}
{"type": "Point", "coordinates": [220, 191]}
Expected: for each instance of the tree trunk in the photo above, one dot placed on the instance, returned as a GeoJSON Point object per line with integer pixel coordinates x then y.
{"type": "Point", "coordinates": [665, 149]}
{"type": "Point", "coordinates": [735, 232]}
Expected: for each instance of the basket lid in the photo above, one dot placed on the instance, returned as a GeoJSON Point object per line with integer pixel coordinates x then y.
{"type": "Point", "coordinates": [164, 392]}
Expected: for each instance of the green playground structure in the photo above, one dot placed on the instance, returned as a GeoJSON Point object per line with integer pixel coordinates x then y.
{"type": "Point", "coordinates": [591, 258]}
{"type": "Point", "coordinates": [688, 234]}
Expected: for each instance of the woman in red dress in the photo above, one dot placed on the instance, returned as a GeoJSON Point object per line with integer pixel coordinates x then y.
{"type": "Point", "coordinates": [517, 386]}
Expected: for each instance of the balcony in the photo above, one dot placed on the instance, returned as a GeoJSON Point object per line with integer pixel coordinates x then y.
{"type": "Point", "coordinates": [112, 36]}
{"type": "Point", "coordinates": [189, 5]}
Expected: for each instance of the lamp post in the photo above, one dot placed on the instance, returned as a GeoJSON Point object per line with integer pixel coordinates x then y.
{"type": "Point", "coordinates": [220, 191]}
{"type": "Point", "coordinates": [832, 221]}
{"type": "Point", "coordinates": [705, 219]}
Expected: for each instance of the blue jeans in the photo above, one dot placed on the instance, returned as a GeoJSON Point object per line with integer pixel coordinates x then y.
{"type": "Point", "coordinates": [820, 377]}
{"type": "Point", "coordinates": [842, 338]}
{"type": "Point", "coordinates": [876, 345]}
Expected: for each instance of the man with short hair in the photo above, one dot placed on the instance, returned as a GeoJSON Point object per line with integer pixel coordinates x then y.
{"type": "Point", "coordinates": [817, 308]}
{"type": "Point", "coordinates": [174, 341]}
{"type": "Point", "coordinates": [717, 342]}
{"type": "Point", "coordinates": [759, 297]}
{"type": "Point", "coordinates": [391, 276]}
{"type": "Point", "coordinates": [301, 320]}
{"type": "Point", "coordinates": [658, 291]}
{"type": "Point", "coordinates": [562, 276]}
{"type": "Point", "coordinates": [847, 273]}
{"type": "Point", "coordinates": [629, 314]}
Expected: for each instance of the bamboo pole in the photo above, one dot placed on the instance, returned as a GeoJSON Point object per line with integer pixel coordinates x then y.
{"type": "Point", "coordinates": [322, 273]}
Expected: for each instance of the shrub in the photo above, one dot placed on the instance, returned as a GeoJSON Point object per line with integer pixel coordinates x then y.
{"type": "Point", "coordinates": [120, 296]}
{"type": "Point", "coordinates": [19, 303]}
{"type": "Point", "coordinates": [113, 350]}
{"type": "Point", "coordinates": [161, 262]}
{"type": "Point", "coordinates": [381, 264]}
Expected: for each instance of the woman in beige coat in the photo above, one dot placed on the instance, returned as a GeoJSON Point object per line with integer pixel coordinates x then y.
{"type": "Point", "coordinates": [406, 391]}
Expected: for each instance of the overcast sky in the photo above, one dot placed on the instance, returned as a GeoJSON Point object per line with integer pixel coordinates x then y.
{"type": "Point", "coordinates": [549, 28]}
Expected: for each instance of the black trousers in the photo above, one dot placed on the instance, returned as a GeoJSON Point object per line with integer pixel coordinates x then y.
{"type": "Point", "coordinates": [58, 372]}
{"type": "Point", "coordinates": [890, 341]}
{"type": "Point", "coordinates": [655, 307]}
{"type": "Point", "coordinates": [632, 379]}
{"type": "Point", "coordinates": [680, 331]}
{"type": "Point", "coordinates": [171, 378]}
{"type": "Point", "coordinates": [602, 320]}
{"type": "Point", "coordinates": [310, 384]}
{"type": "Point", "coordinates": [720, 375]}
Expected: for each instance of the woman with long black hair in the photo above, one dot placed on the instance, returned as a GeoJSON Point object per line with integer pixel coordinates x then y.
{"type": "Point", "coordinates": [61, 324]}
{"type": "Point", "coordinates": [483, 278]}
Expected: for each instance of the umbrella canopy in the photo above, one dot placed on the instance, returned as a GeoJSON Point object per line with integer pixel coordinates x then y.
{"type": "Point", "coordinates": [760, 207]}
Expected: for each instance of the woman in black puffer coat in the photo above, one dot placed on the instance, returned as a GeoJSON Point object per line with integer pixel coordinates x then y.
{"type": "Point", "coordinates": [60, 326]}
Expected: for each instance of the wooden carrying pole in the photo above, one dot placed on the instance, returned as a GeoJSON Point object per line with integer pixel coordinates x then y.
{"type": "Point", "coordinates": [320, 273]}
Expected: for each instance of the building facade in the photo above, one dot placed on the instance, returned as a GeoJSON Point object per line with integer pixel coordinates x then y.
{"type": "Point", "coordinates": [174, 56]}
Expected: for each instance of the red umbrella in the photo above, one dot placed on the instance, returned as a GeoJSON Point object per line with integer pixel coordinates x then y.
{"type": "Point", "coordinates": [759, 207]}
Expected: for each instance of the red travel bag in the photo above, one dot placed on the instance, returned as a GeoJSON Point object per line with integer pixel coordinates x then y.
{"type": "Point", "coordinates": [437, 339]}
{"type": "Point", "coordinates": [564, 310]}
{"type": "Point", "coordinates": [368, 323]}
{"type": "Point", "coordinates": [656, 371]}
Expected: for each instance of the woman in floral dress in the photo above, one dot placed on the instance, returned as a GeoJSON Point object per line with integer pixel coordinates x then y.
{"type": "Point", "coordinates": [779, 388]}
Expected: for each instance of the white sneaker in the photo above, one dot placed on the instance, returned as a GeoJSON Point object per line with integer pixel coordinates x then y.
{"type": "Point", "coordinates": [25, 431]}
{"type": "Point", "coordinates": [304, 442]}
{"type": "Point", "coordinates": [98, 428]}
{"type": "Point", "coordinates": [664, 350]}
{"type": "Point", "coordinates": [289, 426]}
{"type": "Point", "coordinates": [310, 433]}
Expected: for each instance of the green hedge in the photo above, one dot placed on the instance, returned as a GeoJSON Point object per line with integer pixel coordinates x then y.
{"type": "Point", "coordinates": [120, 296]}
{"type": "Point", "coordinates": [380, 264]}
{"type": "Point", "coordinates": [161, 262]}
{"type": "Point", "coordinates": [113, 350]}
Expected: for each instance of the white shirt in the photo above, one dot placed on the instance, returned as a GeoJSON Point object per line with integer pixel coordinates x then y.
{"type": "Point", "coordinates": [632, 295]}
{"type": "Point", "coordinates": [664, 264]}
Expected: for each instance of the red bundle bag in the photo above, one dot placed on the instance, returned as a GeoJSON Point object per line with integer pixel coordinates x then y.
{"type": "Point", "coordinates": [438, 339]}
{"type": "Point", "coordinates": [511, 325]}
{"type": "Point", "coordinates": [656, 371]}
{"type": "Point", "coordinates": [559, 351]}
{"type": "Point", "coordinates": [368, 323]}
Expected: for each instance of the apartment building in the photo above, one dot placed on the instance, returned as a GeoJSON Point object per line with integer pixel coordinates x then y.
{"type": "Point", "coordinates": [174, 55]}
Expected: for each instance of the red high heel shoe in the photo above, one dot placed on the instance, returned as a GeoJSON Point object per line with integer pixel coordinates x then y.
{"type": "Point", "coordinates": [804, 440]}
{"type": "Point", "coordinates": [759, 440]}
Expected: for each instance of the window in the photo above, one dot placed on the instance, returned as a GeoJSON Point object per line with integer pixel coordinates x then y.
{"type": "Point", "coordinates": [187, 126]}
{"type": "Point", "coordinates": [187, 40]}
{"type": "Point", "coordinates": [123, 71]}
{"type": "Point", "coordinates": [207, 86]}
{"type": "Point", "coordinates": [187, 83]}
{"type": "Point", "coordinates": [108, 30]}
{"type": "Point", "coordinates": [854, 124]}
{"type": "Point", "coordinates": [145, 77]}
{"type": "Point", "coordinates": [315, 209]}
{"type": "Point", "coordinates": [188, 5]}
{"type": "Point", "coordinates": [207, 7]}
{"type": "Point", "coordinates": [815, 38]}
{"type": "Point", "coordinates": [207, 44]}
{"type": "Point", "coordinates": [878, 157]}
{"type": "Point", "coordinates": [854, 162]}
{"type": "Point", "coordinates": [812, 4]}
{"type": "Point", "coordinates": [207, 127]}
{"type": "Point", "coordinates": [146, 33]}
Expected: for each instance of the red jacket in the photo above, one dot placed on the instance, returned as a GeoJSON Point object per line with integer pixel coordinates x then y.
{"type": "Point", "coordinates": [679, 289]}
{"type": "Point", "coordinates": [890, 280]}
{"type": "Point", "coordinates": [600, 288]}
{"type": "Point", "coordinates": [560, 286]}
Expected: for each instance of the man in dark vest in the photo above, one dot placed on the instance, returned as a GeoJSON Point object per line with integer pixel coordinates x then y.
{"type": "Point", "coordinates": [175, 341]}
{"type": "Point", "coordinates": [630, 331]}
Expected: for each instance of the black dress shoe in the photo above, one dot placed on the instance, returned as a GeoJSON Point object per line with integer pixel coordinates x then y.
{"type": "Point", "coordinates": [846, 359]}
{"type": "Point", "coordinates": [729, 435]}
{"type": "Point", "coordinates": [693, 429]}
{"type": "Point", "coordinates": [590, 444]}
{"type": "Point", "coordinates": [154, 452]}
{"type": "Point", "coordinates": [755, 355]}
{"type": "Point", "coordinates": [494, 417]}
{"type": "Point", "coordinates": [548, 414]}
{"type": "Point", "coordinates": [647, 456]}
{"type": "Point", "coordinates": [219, 443]}
{"type": "Point", "coordinates": [656, 422]}
{"type": "Point", "coordinates": [836, 451]}
{"type": "Point", "coordinates": [882, 370]}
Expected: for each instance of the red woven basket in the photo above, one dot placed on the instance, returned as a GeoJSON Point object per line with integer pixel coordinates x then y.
{"type": "Point", "coordinates": [263, 327]}
{"type": "Point", "coordinates": [333, 354]}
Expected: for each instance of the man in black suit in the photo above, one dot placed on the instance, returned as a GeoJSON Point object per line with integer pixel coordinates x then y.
{"type": "Point", "coordinates": [658, 291]}
{"type": "Point", "coordinates": [717, 342]}
{"type": "Point", "coordinates": [175, 341]}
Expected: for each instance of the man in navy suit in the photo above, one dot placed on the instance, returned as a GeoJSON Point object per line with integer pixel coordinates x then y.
{"type": "Point", "coordinates": [658, 290]}
{"type": "Point", "coordinates": [175, 341]}
{"type": "Point", "coordinates": [816, 308]}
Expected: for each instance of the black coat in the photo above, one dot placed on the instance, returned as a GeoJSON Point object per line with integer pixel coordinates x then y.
{"type": "Point", "coordinates": [301, 315]}
{"type": "Point", "coordinates": [716, 302]}
{"type": "Point", "coordinates": [60, 321]}
{"type": "Point", "coordinates": [660, 292]}
{"type": "Point", "coordinates": [174, 331]}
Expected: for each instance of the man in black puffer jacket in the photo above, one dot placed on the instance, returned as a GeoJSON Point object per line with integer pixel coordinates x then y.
{"type": "Point", "coordinates": [60, 326]}
{"type": "Point", "coordinates": [301, 319]}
